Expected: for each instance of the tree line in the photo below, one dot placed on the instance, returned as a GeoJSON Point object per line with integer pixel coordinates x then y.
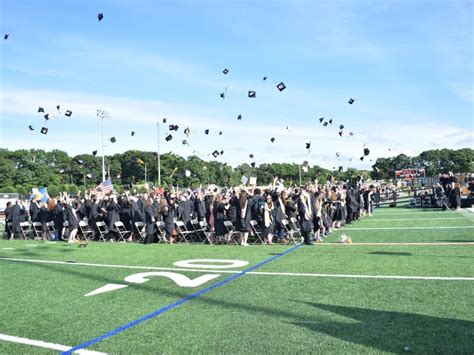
{"type": "Point", "coordinates": [21, 170]}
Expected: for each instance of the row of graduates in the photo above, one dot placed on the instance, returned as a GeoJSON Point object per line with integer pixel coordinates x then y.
{"type": "Point", "coordinates": [317, 210]}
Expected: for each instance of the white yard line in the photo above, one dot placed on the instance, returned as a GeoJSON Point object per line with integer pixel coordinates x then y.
{"type": "Point", "coordinates": [443, 278]}
{"type": "Point", "coordinates": [403, 228]}
{"type": "Point", "coordinates": [413, 243]}
{"type": "Point", "coordinates": [8, 248]}
{"type": "Point", "coordinates": [369, 219]}
{"type": "Point", "coordinates": [31, 245]}
{"type": "Point", "coordinates": [45, 345]}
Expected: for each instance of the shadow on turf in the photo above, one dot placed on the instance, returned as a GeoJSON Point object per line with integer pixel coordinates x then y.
{"type": "Point", "coordinates": [392, 253]}
{"type": "Point", "coordinates": [394, 331]}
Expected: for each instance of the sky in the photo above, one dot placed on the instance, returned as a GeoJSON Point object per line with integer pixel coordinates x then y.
{"type": "Point", "coordinates": [407, 63]}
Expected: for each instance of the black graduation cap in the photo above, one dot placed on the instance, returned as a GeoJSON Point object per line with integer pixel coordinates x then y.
{"type": "Point", "coordinates": [341, 126]}
{"type": "Point", "coordinates": [325, 124]}
{"type": "Point", "coordinates": [44, 130]}
{"type": "Point", "coordinates": [351, 101]}
{"type": "Point", "coordinates": [58, 107]}
{"type": "Point", "coordinates": [361, 158]}
{"type": "Point", "coordinates": [272, 139]}
{"type": "Point", "coordinates": [252, 164]}
{"type": "Point", "coordinates": [366, 151]}
{"type": "Point", "coordinates": [31, 127]}
{"type": "Point", "coordinates": [47, 117]}
{"type": "Point", "coordinates": [215, 154]}
{"type": "Point", "coordinates": [100, 16]}
{"type": "Point", "coordinates": [338, 154]}
{"type": "Point", "coordinates": [252, 94]}
{"type": "Point", "coordinates": [169, 137]}
{"type": "Point", "coordinates": [251, 156]}
{"type": "Point", "coordinates": [308, 145]}
{"type": "Point", "coordinates": [206, 131]}
{"type": "Point", "coordinates": [239, 117]}
{"type": "Point", "coordinates": [305, 163]}
{"type": "Point", "coordinates": [68, 113]}
{"type": "Point", "coordinates": [133, 133]}
{"type": "Point", "coordinates": [40, 109]}
{"type": "Point", "coordinates": [113, 140]}
{"type": "Point", "coordinates": [222, 95]}
{"type": "Point", "coordinates": [173, 127]}
{"type": "Point", "coordinates": [220, 133]}
{"type": "Point", "coordinates": [330, 121]}
{"type": "Point", "coordinates": [340, 133]}
{"type": "Point", "coordinates": [264, 78]}
{"type": "Point", "coordinates": [225, 71]}
{"type": "Point", "coordinates": [94, 152]}
{"type": "Point", "coordinates": [321, 119]}
{"type": "Point", "coordinates": [187, 131]}
{"type": "Point", "coordinates": [164, 120]}
{"type": "Point", "coordinates": [281, 86]}
{"type": "Point", "coordinates": [184, 141]}
{"type": "Point", "coordinates": [222, 152]}
{"type": "Point", "coordinates": [351, 133]}
{"type": "Point", "coordinates": [5, 36]}
{"type": "Point", "coordinates": [340, 168]}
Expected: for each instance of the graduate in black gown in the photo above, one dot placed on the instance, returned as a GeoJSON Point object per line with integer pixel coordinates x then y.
{"type": "Point", "coordinates": [15, 219]}
{"type": "Point", "coordinates": [149, 222]}
{"type": "Point", "coordinates": [34, 210]}
{"type": "Point", "coordinates": [305, 214]}
{"type": "Point", "coordinates": [244, 217]}
{"type": "Point", "coordinates": [8, 218]}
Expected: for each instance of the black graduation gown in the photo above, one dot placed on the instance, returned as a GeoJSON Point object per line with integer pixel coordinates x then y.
{"type": "Point", "coordinates": [290, 209]}
{"type": "Point", "coordinates": [233, 209]}
{"type": "Point", "coordinates": [200, 209]}
{"type": "Point", "coordinates": [184, 211]}
{"type": "Point", "coordinates": [219, 217]}
{"type": "Point", "coordinates": [257, 208]}
{"type": "Point", "coordinates": [243, 224]}
{"type": "Point", "coordinates": [455, 197]}
{"type": "Point", "coordinates": [45, 216]}
{"type": "Point", "coordinates": [15, 218]}
{"type": "Point", "coordinates": [149, 224]}
{"type": "Point", "coordinates": [58, 216]}
{"type": "Point", "coordinates": [168, 215]}
{"type": "Point", "coordinates": [34, 212]}
{"type": "Point", "coordinates": [306, 225]}
{"type": "Point", "coordinates": [113, 215]}
{"type": "Point", "coordinates": [126, 213]}
{"type": "Point", "coordinates": [71, 218]}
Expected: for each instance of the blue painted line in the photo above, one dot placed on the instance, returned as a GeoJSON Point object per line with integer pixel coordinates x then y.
{"type": "Point", "coordinates": [176, 304]}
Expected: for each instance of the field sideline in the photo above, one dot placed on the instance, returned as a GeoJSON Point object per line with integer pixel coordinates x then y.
{"type": "Point", "coordinates": [404, 285]}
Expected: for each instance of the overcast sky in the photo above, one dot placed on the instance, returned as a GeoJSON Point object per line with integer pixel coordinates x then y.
{"type": "Point", "coordinates": [407, 63]}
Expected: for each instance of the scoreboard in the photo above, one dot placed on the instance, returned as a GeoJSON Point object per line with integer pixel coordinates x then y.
{"type": "Point", "coordinates": [409, 174]}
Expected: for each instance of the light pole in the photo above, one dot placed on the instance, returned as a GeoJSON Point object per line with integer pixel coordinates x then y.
{"type": "Point", "coordinates": [103, 114]}
{"type": "Point", "coordinates": [158, 151]}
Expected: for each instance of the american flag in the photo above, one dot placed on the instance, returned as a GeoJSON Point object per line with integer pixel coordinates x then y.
{"type": "Point", "coordinates": [104, 187]}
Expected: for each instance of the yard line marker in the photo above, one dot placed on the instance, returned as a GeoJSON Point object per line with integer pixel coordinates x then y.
{"type": "Point", "coordinates": [399, 228]}
{"type": "Point", "coordinates": [45, 345]}
{"type": "Point", "coordinates": [179, 302]}
{"type": "Point", "coordinates": [31, 245]}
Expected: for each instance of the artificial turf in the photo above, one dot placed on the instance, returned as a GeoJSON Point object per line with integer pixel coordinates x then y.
{"type": "Point", "coordinates": [255, 313]}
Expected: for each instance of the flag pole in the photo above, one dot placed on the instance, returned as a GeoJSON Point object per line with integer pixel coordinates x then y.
{"type": "Point", "coordinates": [158, 152]}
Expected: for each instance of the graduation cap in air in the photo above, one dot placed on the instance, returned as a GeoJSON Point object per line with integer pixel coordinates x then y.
{"type": "Point", "coordinates": [187, 131]}
{"type": "Point", "coordinates": [222, 95]}
{"type": "Point", "coordinates": [40, 109]}
{"type": "Point", "coordinates": [305, 163]}
{"type": "Point", "coordinates": [94, 152]}
{"type": "Point", "coordinates": [44, 130]}
{"type": "Point", "coordinates": [206, 131]}
{"type": "Point", "coordinates": [361, 158]}
{"type": "Point", "coordinates": [169, 137]}
{"type": "Point", "coordinates": [325, 124]}
{"type": "Point", "coordinates": [366, 151]}
{"type": "Point", "coordinates": [48, 116]}
{"type": "Point", "coordinates": [173, 127]}
{"type": "Point", "coordinates": [251, 156]}
{"type": "Point", "coordinates": [281, 86]}
{"type": "Point", "coordinates": [58, 107]}
{"type": "Point", "coordinates": [225, 71]}
{"type": "Point", "coordinates": [340, 133]}
{"type": "Point", "coordinates": [89, 176]}
{"type": "Point", "coordinates": [68, 113]}
{"type": "Point", "coordinates": [222, 152]}
{"type": "Point", "coordinates": [330, 121]}
{"type": "Point", "coordinates": [184, 141]}
{"type": "Point", "coordinates": [31, 127]}
{"type": "Point", "coordinates": [252, 164]}
{"type": "Point", "coordinates": [113, 140]}
{"type": "Point", "coordinates": [239, 117]}
{"type": "Point", "coordinates": [264, 78]}
{"type": "Point", "coordinates": [133, 133]}
{"type": "Point", "coordinates": [341, 126]}
{"type": "Point", "coordinates": [164, 120]}
{"type": "Point", "coordinates": [340, 168]}
{"type": "Point", "coordinates": [321, 119]}
{"type": "Point", "coordinates": [252, 94]}
{"type": "Point", "coordinates": [220, 133]}
{"type": "Point", "coordinates": [272, 139]}
{"type": "Point", "coordinates": [338, 154]}
{"type": "Point", "coordinates": [5, 36]}
{"type": "Point", "coordinates": [308, 145]}
{"type": "Point", "coordinates": [215, 154]}
{"type": "Point", "coordinates": [351, 133]}
{"type": "Point", "coordinates": [100, 16]}
{"type": "Point", "coordinates": [351, 101]}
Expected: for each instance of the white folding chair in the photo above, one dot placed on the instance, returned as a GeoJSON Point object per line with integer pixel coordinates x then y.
{"type": "Point", "coordinates": [160, 230]}
{"type": "Point", "coordinates": [141, 231]}
{"type": "Point", "coordinates": [198, 230]}
{"type": "Point", "coordinates": [24, 229]}
{"type": "Point", "coordinates": [207, 232]}
{"type": "Point", "coordinates": [85, 230]}
{"type": "Point", "coordinates": [183, 232]}
{"type": "Point", "coordinates": [233, 234]}
{"type": "Point", "coordinates": [256, 232]}
{"type": "Point", "coordinates": [51, 230]}
{"type": "Point", "coordinates": [122, 231]}
{"type": "Point", "coordinates": [290, 232]}
{"type": "Point", "coordinates": [38, 230]}
{"type": "Point", "coordinates": [103, 230]}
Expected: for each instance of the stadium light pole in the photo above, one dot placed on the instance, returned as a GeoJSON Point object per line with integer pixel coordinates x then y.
{"type": "Point", "coordinates": [103, 114]}
{"type": "Point", "coordinates": [158, 151]}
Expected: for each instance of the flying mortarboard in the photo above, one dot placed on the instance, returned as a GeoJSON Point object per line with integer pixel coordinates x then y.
{"type": "Point", "coordinates": [169, 137]}
{"type": "Point", "coordinates": [61, 171]}
{"type": "Point", "coordinates": [264, 78]}
{"type": "Point", "coordinates": [5, 36]}
{"type": "Point", "coordinates": [47, 116]}
{"type": "Point", "coordinates": [94, 152]}
{"type": "Point", "coordinates": [113, 140]}
{"type": "Point", "coordinates": [321, 119]}
{"type": "Point", "coordinates": [330, 121]}
{"type": "Point", "coordinates": [58, 107]}
{"type": "Point", "coordinates": [89, 176]}
{"type": "Point", "coordinates": [187, 131]}
{"type": "Point", "coordinates": [361, 158]}
{"type": "Point", "coordinates": [351, 133]}
{"type": "Point", "coordinates": [222, 152]}
{"type": "Point", "coordinates": [305, 163]}
{"type": "Point", "coordinates": [184, 141]}
{"type": "Point", "coordinates": [340, 168]}
{"type": "Point", "coordinates": [68, 113]}
{"type": "Point", "coordinates": [215, 154]}
{"type": "Point", "coordinates": [308, 145]}
{"type": "Point", "coordinates": [351, 101]}
{"type": "Point", "coordinates": [252, 94]}
{"type": "Point", "coordinates": [251, 156]}
{"type": "Point", "coordinates": [100, 16]}
{"type": "Point", "coordinates": [222, 95]}
{"type": "Point", "coordinates": [325, 124]}
{"type": "Point", "coordinates": [252, 164]}
{"type": "Point", "coordinates": [31, 127]}
{"type": "Point", "coordinates": [206, 131]}
{"type": "Point", "coordinates": [281, 86]}
{"type": "Point", "coordinates": [225, 71]}
{"type": "Point", "coordinates": [133, 133]}
{"type": "Point", "coordinates": [341, 126]}
{"type": "Point", "coordinates": [40, 109]}
{"type": "Point", "coordinates": [44, 130]}
{"type": "Point", "coordinates": [272, 139]}
{"type": "Point", "coordinates": [220, 133]}
{"type": "Point", "coordinates": [164, 120]}
{"type": "Point", "coordinates": [366, 151]}
{"type": "Point", "coordinates": [239, 117]}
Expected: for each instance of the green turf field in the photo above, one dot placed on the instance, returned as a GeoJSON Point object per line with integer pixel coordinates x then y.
{"type": "Point", "coordinates": [406, 289]}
